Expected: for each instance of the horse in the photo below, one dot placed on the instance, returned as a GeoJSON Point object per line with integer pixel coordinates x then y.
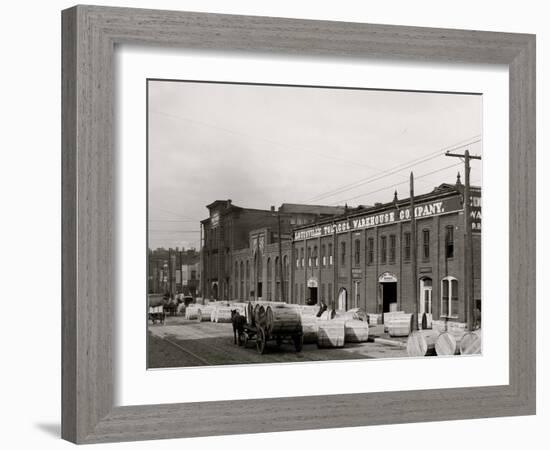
{"type": "Point", "coordinates": [238, 322]}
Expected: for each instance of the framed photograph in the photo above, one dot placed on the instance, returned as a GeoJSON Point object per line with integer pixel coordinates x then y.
{"type": "Point", "coordinates": [283, 218]}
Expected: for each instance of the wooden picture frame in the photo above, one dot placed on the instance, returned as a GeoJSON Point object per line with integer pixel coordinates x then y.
{"type": "Point", "coordinates": [89, 37]}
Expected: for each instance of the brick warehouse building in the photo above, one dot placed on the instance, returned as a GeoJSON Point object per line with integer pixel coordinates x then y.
{"type": "Point", "coordinates": [231, 230]}
{"type": "Point", "coordinates": [361, 257]}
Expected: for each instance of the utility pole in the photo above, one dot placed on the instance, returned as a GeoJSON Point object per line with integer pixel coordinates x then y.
{"type": "Point", "coordinates": [414, 246]}
{"type": "Point", "coordinates": [468, 240]}
{"type": "Point", "coordinates": [170, 269]}
{"type": "Point", "coordinates": [281, 275]}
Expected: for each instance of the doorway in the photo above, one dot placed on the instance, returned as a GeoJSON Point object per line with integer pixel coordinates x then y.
{"type": "Point", "coordinates": [343, 299]}
{"type": "Point", "coordinates": [312, 295]}
{"type": "Point", "coordinates": [260, 289]}
{"type": "Point", "coordinates": [389, 296]}
{"type": "Point", "coordinates": [426, 296]}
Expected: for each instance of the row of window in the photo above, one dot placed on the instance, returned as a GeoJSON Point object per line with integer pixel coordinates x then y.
{"type": "Point", "coordinates": [312, 257]}
{"type": "Point", "coordinates": [271, 271]}
{"type": "Point", "coordinates": [387, 252]}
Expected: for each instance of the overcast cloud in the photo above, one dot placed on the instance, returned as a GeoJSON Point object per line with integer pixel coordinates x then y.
{"type": "Point", "coordinates": [268, 145]}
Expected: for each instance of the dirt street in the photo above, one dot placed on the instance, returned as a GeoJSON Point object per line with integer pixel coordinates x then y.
{"type": "Point", "coordinates": [184, 343]}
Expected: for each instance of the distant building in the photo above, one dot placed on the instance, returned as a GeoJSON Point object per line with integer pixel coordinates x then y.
{"type": "Point", "coordinates": [165, 269]}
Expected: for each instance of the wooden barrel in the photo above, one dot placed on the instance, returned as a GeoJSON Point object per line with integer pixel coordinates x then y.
{"type": "Point", "coordinates": [191, 312]}
{"type": "Point", "coordinates": [331, 334]}
{"type": "Point", "coordinates": [457, 329]}
{"type": "Point", "coordinates": [309, 310]}
{"type": "Point", "coordinates": [204, 313]}
{"type": "Point", "coordinates": [445, 345]}
{"type": "Point", "coordinates": [387, 317]}
{"type": "Point", "coordinates": [352, 314]}
{"type": "Point", "coordinates": [282, 320]}
{"type": "Point", "coordinates": [470, 344]}
{"type": "Point", "coordinates": [259, 314]}
{"type": "Point", "coordinates": [422, 343]}
{"type": "Point", "coordinates": [374, 319]}
{"type": "Point", "coordinates": [356, 331]}
{"type": "Point", "coordinates": [213, 313]}
{"type": "Point", "coordinates": [250, 314]}
{"type": "Point", "coordinates": [310, 328]}
{"type": "Point", "coordinates": [416, 344]}
{"type": "Point", "coordinates": [439, 325]}
{"type": "Point", "coordinates": [399, 325]}
{"type": "Point", "coordinates": [223, 314]}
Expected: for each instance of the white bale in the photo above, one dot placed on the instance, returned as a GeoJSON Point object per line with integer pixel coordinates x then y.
{"type": "Point", "coordinates": [331, 334]}
{"type": "Point", "coordinates": [399, 325]}
{"type": "Point", "coordinates": [310, 328]}
{"type": "Point", "coordinates": [356, 331]}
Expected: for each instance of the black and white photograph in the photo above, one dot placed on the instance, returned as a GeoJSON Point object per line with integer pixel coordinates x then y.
{"type": "Point", "coordinates": [310, 223]}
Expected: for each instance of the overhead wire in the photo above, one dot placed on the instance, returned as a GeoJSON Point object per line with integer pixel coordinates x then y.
{"type": "Point", "coordinates": [395, 169]}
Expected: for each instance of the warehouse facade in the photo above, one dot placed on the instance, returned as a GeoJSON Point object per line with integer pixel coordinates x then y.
{"type": "Point", "coordinates": [364, 260]}
{"type": "Point", "coordinates": [231, 232]}
{"type": "Point", "coordinates": [362, 257]}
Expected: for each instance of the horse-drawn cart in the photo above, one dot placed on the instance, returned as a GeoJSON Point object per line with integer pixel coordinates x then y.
{"type": "Point", "coordinates": [157, 314]}
{"type": "Point", "coordinates": [156, 304]}
{"type": "Point", "coordinates": [272, 322]}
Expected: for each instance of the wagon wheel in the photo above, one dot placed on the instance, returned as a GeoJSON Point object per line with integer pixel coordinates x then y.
{"type": "Point", "coordinates": [260, 340]}
{"type": "Point", "coordinates": [298, 342]}
{"type": "Point", "coordinates": [242, 339]}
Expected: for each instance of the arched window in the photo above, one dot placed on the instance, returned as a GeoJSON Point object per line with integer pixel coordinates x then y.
{"type": "Point", "coordinates": [449, 241]}
{"type": "Point", "coordinates": [343, 254]}
{"type": "Point", "coordinates": [269, 274]}
{"type": "Point", "coordinates": [242, 281]}
{"type": "Point", "coordinates": [315, 257]}
{"type": "Point", "coordinates": [449, 297]}
{"type": "Point", "coordinates": [285, 267]}
{"type": "Point", "coordinates": [309, 256]}
{"type": "Point", "coordinates": [330, 254]}
{"type": "Point", "coordinates": [277, 270]}
{"type": "Point", "coordinates": [269, 278]}
{"type": "Point", "coordinates": [323, 255]}
{"type": "Point", "coordinates": [247, 282]}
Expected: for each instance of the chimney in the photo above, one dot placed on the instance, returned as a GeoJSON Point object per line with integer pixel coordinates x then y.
{"type": "Point", "coordinates": [272, 208]}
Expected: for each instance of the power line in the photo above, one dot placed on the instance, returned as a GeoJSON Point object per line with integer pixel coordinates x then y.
{"type": "Point", "coordinates": [394, 184]}
{"type": "Point", "coordinates": [391, 171]}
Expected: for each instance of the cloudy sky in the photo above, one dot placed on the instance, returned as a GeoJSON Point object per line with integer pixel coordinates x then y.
{"type": "Point", "coordinates": [267, 145]}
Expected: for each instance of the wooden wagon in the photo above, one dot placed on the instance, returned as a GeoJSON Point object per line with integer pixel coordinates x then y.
{"type": "Point", "coordinates": [272, 322]}
{"type": "Point", "coordinates": [157, 314]}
